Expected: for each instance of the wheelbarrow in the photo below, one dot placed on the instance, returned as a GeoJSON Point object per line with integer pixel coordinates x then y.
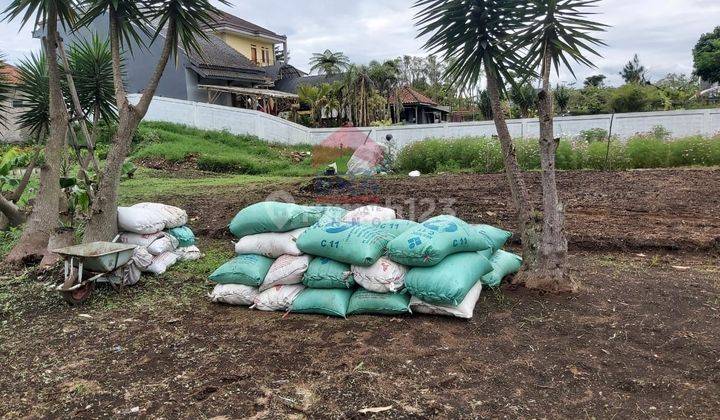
{"type": "Point", "coordinates": [88, 264]}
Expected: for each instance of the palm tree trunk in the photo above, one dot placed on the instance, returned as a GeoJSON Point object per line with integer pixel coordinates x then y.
{"type": "Point", "coordinates": [551, 271]}
{"type": "Point", "coordinates": [44, 219]}
{"type": "Point", "coordinates": [11, 212]}
{"type": "Point", "coordinates": [525, 213]}
{"type": "Point", "coordinates": [102, 225]}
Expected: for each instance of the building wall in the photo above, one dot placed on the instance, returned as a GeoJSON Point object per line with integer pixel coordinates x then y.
{"type": "Point", "coordinates": [12, 133]}
{"type": "Point", "coordinates": [274, 129]}
{"type": "Point", "coordinates": [243, 45]}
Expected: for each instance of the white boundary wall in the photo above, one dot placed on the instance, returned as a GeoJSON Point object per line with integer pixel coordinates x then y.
{"type": "Point", "coordinates": [278, 130]}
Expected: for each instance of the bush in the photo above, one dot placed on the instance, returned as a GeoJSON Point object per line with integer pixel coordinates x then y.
{"type": "Point", "coordinates": [594, 134]}
{"type": "Point", "coordinates": [528, 154]}
{"type": "Point", "coordinates": [647, 151]}
{"type": "Point", "coordinates": [634, 97]}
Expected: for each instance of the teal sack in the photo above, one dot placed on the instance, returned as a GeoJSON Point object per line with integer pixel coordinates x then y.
{"type": "Point", "coordinates": [332, 215]}
{"type": "Point", "coordinates": [450, 281]}
{"type": "Point", "coordinates": [366, 302]}
{"type": "Point", "coordinates": [395, 228]}
{"type": "Point", "coordinates": [271, 217]}
{"type": "Point", "coordinates": [503, 264]}
{"type": "Point", "coordinates": [429, 243]}
{"type": "Point", "coordinates": [324, 273]}
{"type": "Point", "coordinates": [247, 270]}
{"type": "Point", "coordinates": [350, 243]}
{"type": "Point", "coordinates": [494, 236]}
{"type": "Point", "coordinates": [323, 301]}
{"type": "Point", "coordinates": [184, 235]}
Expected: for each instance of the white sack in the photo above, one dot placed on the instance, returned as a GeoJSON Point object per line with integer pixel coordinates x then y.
{"type": "Point", "coordinates": [286, 270]}
{"type": "Point", "coordinates": [142, 258]}
{"type": "Point", "coordinates": [138, 239]}
{"type": "Point", "coordinates": [138, 220]}
{"type": "Point", "coordinates": [271, 245]}
{"type": "Point", "coordinates": [370, 214]}
{"type": "Point", "coordinates": [161, 263]}
{"type": "Point", "coordinates": [279, 298]}
{"type": "Point", "coordinates": [234, 294]}
{"type": "Point", "coordinates": [189, 253]}
{"type": "Point", "coordinates": [464, 310]}
{"type": "Point", "coordinates": [174, 217]}
{"type": "Point", "coordinates": [166, 243]}
{"type": "Point", "coordinates": [384, 276]}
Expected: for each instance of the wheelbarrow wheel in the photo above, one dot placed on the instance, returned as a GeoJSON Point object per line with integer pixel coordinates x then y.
{"type": "Point", "coordinates": [81, 294]}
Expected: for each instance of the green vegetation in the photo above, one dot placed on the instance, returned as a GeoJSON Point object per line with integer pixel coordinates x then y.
{"type": "Point", "coordinates": [483, 155]}
{"type": "Point", "coordinates": [222, 152]}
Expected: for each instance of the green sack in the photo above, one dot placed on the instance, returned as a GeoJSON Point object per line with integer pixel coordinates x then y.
{"type": "Point", "coordinates": [429, 243]}
{"type": "Point", "coordinates": [450, 281]}
{"type": "Point", "coordinates": [366, 302]}
{"type": "Point", "coordinates": [494, 236]}
{"type": "Point", "coordinates": [332, 215]}
{"type": "Point", "coordinates": [323, 301]}
{"type": "Point", "coordinates": [503, 264]}
{"type": "Point", "coordinates": [248, 270]}
{"type": "Point", "coordinates": [350, 243]}
{"type": "Point", "coordinates": [324, 273]}
{"type": "Point", "coordinates": [395, 228]}
{"type": "Point", "coordinates": [272, 217]}
{"type": "Point", "coordinates": [184, 235]}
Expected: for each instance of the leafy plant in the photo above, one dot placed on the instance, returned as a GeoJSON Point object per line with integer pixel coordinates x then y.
{"type": "Point", "coordinates": [706, 55]}
{"type": "Point", "coordinates": [637, 98]}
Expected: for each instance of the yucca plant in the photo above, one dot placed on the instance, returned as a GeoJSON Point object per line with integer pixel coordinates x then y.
{"type": "Point", "coordinates": [34, 90]}
{"type": "Point", "coordinates": [91, 66]}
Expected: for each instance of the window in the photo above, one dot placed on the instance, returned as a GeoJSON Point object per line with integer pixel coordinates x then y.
{"type": "Point", "coordinates": [265, 56]}
{"type": "Point", "coordinates": [253, 54]}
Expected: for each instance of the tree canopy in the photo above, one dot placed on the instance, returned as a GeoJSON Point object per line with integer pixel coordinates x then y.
{"type": "Point", "coordinates": [706, 55]}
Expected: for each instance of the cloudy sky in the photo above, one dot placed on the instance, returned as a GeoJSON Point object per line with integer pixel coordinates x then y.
{"type": "Point", "coordinates": [662, 32]}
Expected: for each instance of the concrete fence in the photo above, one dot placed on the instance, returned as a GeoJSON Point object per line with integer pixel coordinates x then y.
{"type": "Point", "coordinates": [274, 129]}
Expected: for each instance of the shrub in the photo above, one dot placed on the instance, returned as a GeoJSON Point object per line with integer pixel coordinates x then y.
{"type": "Point", "coordinates": [604, 156]}
{"type": "Point", "coordinates": [692, 151]}
{"type": "Point", "coordinates": [634, 97]}
{"type": "Point", "coordinates": [647, 151]}
{"type": "Point", "coordinates": [594, 134]}
{"type": "Point", "coordinates": [528, 153]}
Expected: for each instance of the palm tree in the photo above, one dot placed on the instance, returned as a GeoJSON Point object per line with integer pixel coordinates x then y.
{"type": "Point", "coordinates": [180, 23]}
{"type": "Point", "coordinates": [473, 35]}
{"type": "Point", "coordinates": [91, 64]}
{"type": "Point", "coordinates": [561, 31]}
{"type": "Point", "coordinates": [634, 72]}
{"type": "Point", "coordinates": [359, 89]}
{"type": "Point", "coordinates": [329, 63]}
{"type": "Point", "coordinates": [524, 97]}
{"type": "Point", "coordinates": [317, 98]}
{"type": "Point", "coordinates": [34, 90]}
{"type": "Point", "coordinates": [44, 220]}
{"type": "Point", "coordinates": [562, 98]}
{"type": "Point", "coordinates": [386, 77]}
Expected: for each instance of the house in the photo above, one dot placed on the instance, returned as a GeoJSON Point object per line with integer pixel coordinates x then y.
{"type": "Point", "coordinates": [11, 132]}
{"type": "Point", "coordinates": [417, 108]}
{"type": "Point", "coordinates": [235, 66]}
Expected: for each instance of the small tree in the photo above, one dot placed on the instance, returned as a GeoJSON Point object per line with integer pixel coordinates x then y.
{"type": "Point", "coordinates": [597, 81]}
{"type": "Point", "coordinates": [634, 72]}
{"type": "Point", "coordinates": [329, 63]}
{"type": "Point", "coordinates": [562, 98]}
{"type": "Point", "coordinates": [561, 32]}
{"type": "Point", "coordinates": [706, 55]}
{"type": "Point", "coordinates": [476, 35]}
{"type": "Point", "coordinates": [523, 95]}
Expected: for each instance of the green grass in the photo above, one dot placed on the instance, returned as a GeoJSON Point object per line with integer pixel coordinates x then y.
{"type": "Point", "coordinates": [484, 155]}
{"type": "Point", "coordinates": [222, 152]}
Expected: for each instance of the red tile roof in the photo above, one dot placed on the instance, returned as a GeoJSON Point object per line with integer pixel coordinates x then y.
{"type": "Point", "coordinates": [10, 73]}
{"type": "Point", "coordinates": [410, 96]}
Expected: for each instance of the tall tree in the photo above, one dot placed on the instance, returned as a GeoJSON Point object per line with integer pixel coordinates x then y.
{"type": "Point", "coordinates": [329, 63]}
{"type": "Point", "coordinates": [473, 35]}
{"type": "Point", "coordinates": [44, 220]}
{"type": "Point", "coordinates": [561, 32]}
{"type": "Point", "coordinates": [634, 71]}
{"type": "Point", "coordinates": [179, 24]}
{"type": "Point", "coordinates": [706, 55]}
{"type": "Point", "coordinates": [597, 80]}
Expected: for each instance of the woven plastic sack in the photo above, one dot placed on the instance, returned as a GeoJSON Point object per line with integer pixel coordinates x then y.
{"type": "Point", "coordinates": [138, 239]}
{"type": "Point", "coordinates": [496, 237]}
{"type": "Point", "coordinates": [353, 244]}
{"type": "Point", "coordinates": [249, 270]}
{"type": "Point", "coordinates": [366, 302]}
{"type": "Point", "coordinates": [384, 276]}
{"type": "Point", "coordinates": [234, 294]}
{"type": "Point", "coordinates": [465, 310]}
{"type": "Point", "coordinates": [184, 235]}
{"type": "Point", "coordinates": [271, 216]}
{"type": "Point", "coordinates": [162, 263]}
{"type": "Point", "coordinates": [271, 245]}
{"type": "Point", "coordinates": [188, 253]}
{"type": "Point", "coordinates": [430, 243]}
{"type": "Point", "coordinates": [286, 270]}
{"type": "Point", "coordinates": [331, 302]}
{"type": "Point", "coordinates": [370, 214]}
{"type": "Point", "coordinates": [503, 264]}
{"type": "Point", "coordinates": [166, 243]}
{"type": "Point", "coordinates": [174, 217]}
{"type": "Point", "coordinates": [324, 273]}
{"type": "Point", "coordinates": [278, 298]}
{"type": "Point", "coordinates": [332, 215]}
{"type": "Point", "coordinates": [396, 227]}
{"type": "Point", "coordinates": [140, 220]}
{"type": "Point", "coordinates": [450, 281]}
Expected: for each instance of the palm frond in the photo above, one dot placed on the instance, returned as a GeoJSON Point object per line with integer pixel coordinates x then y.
{"type": "Point", "coordinates": [130, 16]}
{"type": "Point", "coordinates": [36, 12]}
{"type": "Point", "coordinates": [34, 91]}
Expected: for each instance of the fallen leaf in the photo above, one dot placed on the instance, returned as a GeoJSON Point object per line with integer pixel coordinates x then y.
{"type": "Point", "coordinates": [375, 410]}
{"type": "Point", "coordinates": [680, 267]}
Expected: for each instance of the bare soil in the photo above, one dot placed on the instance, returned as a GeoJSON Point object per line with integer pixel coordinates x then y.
{"type": "Point", "coordinates": [640, 340]}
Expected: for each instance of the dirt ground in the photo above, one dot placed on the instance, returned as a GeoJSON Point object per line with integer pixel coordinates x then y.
{"type": "Point", "coordinates": [641, 339]}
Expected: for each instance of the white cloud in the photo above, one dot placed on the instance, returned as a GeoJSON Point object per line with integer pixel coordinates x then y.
{"type": "Point", "coordinates": [661, 32]}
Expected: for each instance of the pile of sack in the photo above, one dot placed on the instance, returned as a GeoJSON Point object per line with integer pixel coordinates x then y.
{"type": "Point", "coordinates": [161, 235]}
{"type": "Point", "coordinates": [326, 260]}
